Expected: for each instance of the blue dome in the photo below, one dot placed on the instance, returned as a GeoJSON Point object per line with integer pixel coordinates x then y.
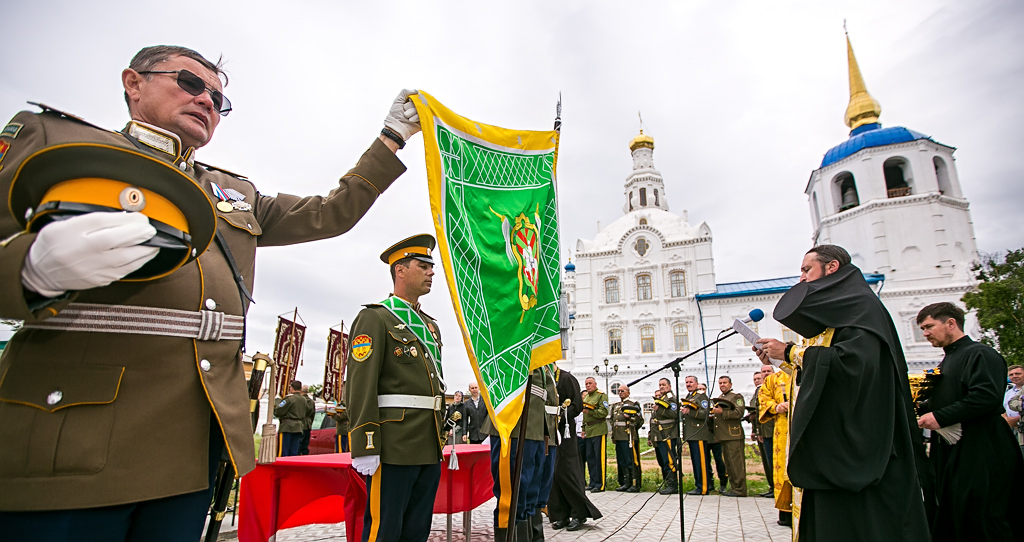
{"type": "Point", "coordinates": [570, 266]}
{"type": "Point", "coordinates": [867, 136]}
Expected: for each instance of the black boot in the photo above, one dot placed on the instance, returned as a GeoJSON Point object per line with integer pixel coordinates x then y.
{"type": "Point", "coordinates": [536, 528]}
{"type": "Point", "coordinates": [785, 518]}
{"type": "Point", "coordinates": [670, 487]}
{"type": "Point", "coordinates": [523, 531]}
{"type": "Point", "coordinates": [500, 533]}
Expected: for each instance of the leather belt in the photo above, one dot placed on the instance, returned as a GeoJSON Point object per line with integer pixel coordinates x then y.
{"type": "Point", "coordinates": [425, 402]}
{"type": "Point", "coordinates": [621, 424]}
{"type": "Point", "coordinates": [550, 409]}
{"type": "Point", "coordinates": [666, 422]}
{"type": "Point", "coordinates": [201, 325]}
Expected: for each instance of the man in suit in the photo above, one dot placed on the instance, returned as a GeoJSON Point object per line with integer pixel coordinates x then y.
{"type": "Point", "coordinates": [476, 409]}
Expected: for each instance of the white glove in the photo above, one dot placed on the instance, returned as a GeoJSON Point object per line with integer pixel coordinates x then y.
{"type": "Point", "coordinates": [366, 465]}
{"type": "Point", "coordinates": [87, 251]}
{"type": "Point", "coordinates": [402, 117]}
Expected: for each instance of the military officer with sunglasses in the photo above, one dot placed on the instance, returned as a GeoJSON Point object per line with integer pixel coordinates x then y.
{"type": "Point", "coordinates": [83, 456]}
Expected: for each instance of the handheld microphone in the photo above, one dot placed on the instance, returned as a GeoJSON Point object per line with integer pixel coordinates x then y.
{"type": "Point", "coordinates": [755, 315]}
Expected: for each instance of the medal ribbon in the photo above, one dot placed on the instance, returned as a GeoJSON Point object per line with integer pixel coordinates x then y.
{"type": "Point", "coordinates": [404, 312]}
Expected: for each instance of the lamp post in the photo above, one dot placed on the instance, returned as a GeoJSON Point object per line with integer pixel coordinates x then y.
{"type": "Point", "coordinates": [607, 373]}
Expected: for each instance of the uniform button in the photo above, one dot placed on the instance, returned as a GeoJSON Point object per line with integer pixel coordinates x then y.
{"type": "Point", "coordinates": [211, 304]}
{"type": "Point", "coordinates": [205, 365]}
{"type": "Point", "coordinates": [405, 340]}
{"type": "Point", "coordinates": [54, 397]}
{"type": "Point", "coordinates": [248, 226]}
{"type": "Point", "coordinates": [183, 166]}
{"type": "Point", "coordinates": [193, 253]}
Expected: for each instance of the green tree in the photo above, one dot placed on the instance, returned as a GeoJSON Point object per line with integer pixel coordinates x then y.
{"type": "Point", "coordinates": [315, 389]}
{"type": "Point", "coordinates": [999, 302]}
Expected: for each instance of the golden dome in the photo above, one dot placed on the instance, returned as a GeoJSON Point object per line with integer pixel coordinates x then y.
{"type": "Point", "coordinates": [863, 109]}
{"type": "Point", "coordinates": [642, 140]}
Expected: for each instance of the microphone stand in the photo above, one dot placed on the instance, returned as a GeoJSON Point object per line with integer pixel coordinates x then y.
{"type": "Point", "coordinates": [674, 365]}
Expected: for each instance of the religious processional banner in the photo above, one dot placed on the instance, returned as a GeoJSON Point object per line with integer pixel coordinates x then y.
{"type": "Point", "coordinates": [288, 352]}
{"type": "Point", "coordinates": [493, 201]}
{"type": "Point", "coordinates": [334, 366]}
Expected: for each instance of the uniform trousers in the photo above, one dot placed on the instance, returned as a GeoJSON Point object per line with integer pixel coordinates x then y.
{"type": "Point", "coordinates": [766, 461]}
{"type": "Point", "coordinates": [304, 443]}
{"type": "Point", "coordinates": [660, 457]}
{"type": "Point", "coordinates": [735, 464]}
{"type": "Point", "coordinates": [720, 467]}
{"type": "Point", "coordinates": [400, 502]}
{"type": "Point", "coordinates": [290, 444]}
{"type": "Point", "coordinates": [597, 459]}
{"type": "Point", "coordinates": [547, 477]}
{"type": "Point", "coordinates": [533, 463]}
{"type": "Point", "coordinates": [341, 443]}
{"type": "Point", "coordinates": [669, 450]}
{"type": "Point", "coordinates": [627, 459]}
{"type": "Point", "coordinates": [700, 458]}
{"type": "Point", "coordinates": [170, 519]}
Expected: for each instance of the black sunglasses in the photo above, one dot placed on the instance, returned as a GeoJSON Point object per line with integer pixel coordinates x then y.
{"type": "Point", "coordinates": [194, 85]}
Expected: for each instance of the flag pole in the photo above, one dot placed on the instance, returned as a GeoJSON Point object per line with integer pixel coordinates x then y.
{"type": "Point", "coordinates": [524, 418]}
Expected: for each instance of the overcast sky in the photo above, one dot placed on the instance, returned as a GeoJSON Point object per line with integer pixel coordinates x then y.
{"type": "Point", "coordinates": [742, 98]}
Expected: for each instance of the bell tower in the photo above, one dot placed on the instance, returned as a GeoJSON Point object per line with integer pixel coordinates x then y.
{"type": "Point", "coordinates": [645, 187]}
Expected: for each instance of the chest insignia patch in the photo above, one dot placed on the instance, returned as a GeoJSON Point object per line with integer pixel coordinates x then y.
{"type": "Point", "coordinates": [400, 326]}
{"type": "Point", "coordinates": [703, 404]}
{"type": "Point", "coordinates": [674, 406]}
{"type": "Point", "coordinates": [282, 403]}
{"type": "Point", "coordinates": [3, 150]}
{"type": "Point", "coordinates": [362, 346]}
{"type": "Point", "coordinates": [398, 351]}
{"type": "Point", "coordinates": [234, 195]}
{"type": "Point", "coordinates": [11, 130]}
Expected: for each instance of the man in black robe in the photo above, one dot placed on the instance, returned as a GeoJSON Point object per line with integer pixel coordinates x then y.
{"type": "Point", "coordinates": [855, 448]}
{"type": "Point", "coordinates": [568, 505]}
{"type": "Point", "coordinates": [978, 478]}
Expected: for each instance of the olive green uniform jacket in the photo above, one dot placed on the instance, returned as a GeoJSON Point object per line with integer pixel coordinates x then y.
{"type": "Point", "coordinates": [134, 421]}
{"type": "Point", "coordinates": [396, 363]}
{"type": "Point", "coordinates": [623, 425]}
{"type": "Point", "coordinates": [341, 422]}
{"type": "Point", "coordinates": [727, 424]}
{"type": "Point", "coordinates": [292, 413]}
{"type": "Point", "coordinates": [696, 423]}
{"type": "Point", "coordinates": [307, 423]}
{"type": "Point", "coordinates": [541, 398]}
{"type": "Point", "coordinates": [664, 417]}
{"type": "Point", "coordinates": [595, 414]}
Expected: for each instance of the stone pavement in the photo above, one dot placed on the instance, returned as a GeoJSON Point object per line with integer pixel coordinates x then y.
{"type": "Point", "coordinates": [643, 517]}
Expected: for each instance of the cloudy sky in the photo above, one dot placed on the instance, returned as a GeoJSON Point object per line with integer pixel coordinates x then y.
{"type": "Point", "coordinates": [742, 97]}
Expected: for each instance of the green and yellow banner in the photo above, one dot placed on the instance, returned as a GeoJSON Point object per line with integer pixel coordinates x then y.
{"type": "Point", "coordinates": [493, 200]}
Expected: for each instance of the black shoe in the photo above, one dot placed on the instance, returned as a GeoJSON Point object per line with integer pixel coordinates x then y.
{"type": "Point", "coordinates": [560, 524]}
{"type": "Point", "coordinates": [670, 489]}
{"type": "Point", "coordinates": [596, 490]}
{"type": "Point", "coordinates": [769, 493]}
{"type": "Point", "coordinates": [575, 524]}
{"type": "Point", "coordinates": [633, 489]}
{"type": "Point", "coordinates": [721, 490]}
{"type": "Point", "coordinates": [785, 522]}
{"type": "Point", "coordinates": [694, 492]}
{"type": "Point", "coordinates": [623, 487]}
{"type": "Point", "coordinates": [785, 518]}
{"type": "Point", "coordinates": [730, 494]}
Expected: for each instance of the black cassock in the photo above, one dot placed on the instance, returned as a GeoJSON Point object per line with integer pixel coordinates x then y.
{"type": "Point", "coordinates": [979, 479]}
{"type": "Point", "coordinates": [855, 448]}
{"type": "Point", "coordinates": [568, 499]}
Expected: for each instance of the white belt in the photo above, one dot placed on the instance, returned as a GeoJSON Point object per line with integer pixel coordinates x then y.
{"type": "Point", "coordinates": [551, 409]}
{"type": "Point", "coordinates": [621, 424]}
{"type": "Point", "coordinates": [202, 325]}
{"type": "Point", "coordinates": [425, 402]}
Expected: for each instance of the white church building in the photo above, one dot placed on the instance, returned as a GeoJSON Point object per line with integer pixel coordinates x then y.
{"type": "Point", "coordinates": [643, 291]}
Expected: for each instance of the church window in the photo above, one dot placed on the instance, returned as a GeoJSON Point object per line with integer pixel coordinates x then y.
{"type": "Point", "coordinates": [897, 177]}
{"type": "Point", "coordinates": [678, 282]}
{"type": "Point", "coordinates": [643, 197]}
{"type": "Point", "coordinates": [753, 327]}
{"type": "Point", "coordinates": [643, 221]}
{"type": "Point", "coordinates": [615, 341]}
{"type": "Point", "coordinates": [655, 197]}
{"type": "Point", "coordinates": [615, 388]}
{"type": "Point", "coordinates": [942, 175]}
{"type": "Point", "coordinates": [611, 290]}
{"type": "Point", "coordinates": [814, 209]}
{"type": "Point", "coordinates": [648, 408]}
{"type": "Point", "coordinates": [916, 331]}
{"type": "Point", "coordinates": [647, 339]}
{"type": "Point", "coordinates": [789, 336]}
{"type": "Point", "coordinates": [643, 287]}
{"type": "Point", "coordinates": [681, 335]}
{"type": "Point", "coordinates": [631, 201]}
{"type": "Point", "coordinates": [846, 191]}
{"type": "Point", "coordinates": [641, 246]}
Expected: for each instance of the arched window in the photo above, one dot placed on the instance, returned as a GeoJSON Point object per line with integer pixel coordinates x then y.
{"type": "Point", "coordinates": [611, 290]}
{"type": "Point", "coordinates": [641, 246]}
{"type": "Point", "coordinates": [648, 408]}
{"type": "Point", "coordinates": [643, 221]}
{"type": "Point", "coordinates": [681, 335]}
{"type": "Point", "coordinates": [647, 339]}
{"type": "Point", "coordinates": [942, 175]}
{"type": "Point", "coordinates": [814, 209]}
{"type": "Point", "coordinates": [643, 197]}
{"type": "Point", "coordinates": [897, 177]}
{"type": "Point", "coordinates": [677, 281]}
{"type": "Point", "coordinates": [655, 196]}
{"type": "Point", "coordinates": [614, 341]}
{"type": "Point", "coordinates": [643, 287]}
{"type": "Point", "coordinates": [614, 388]}
{"type": "Point", "coordinates": [845, 191]}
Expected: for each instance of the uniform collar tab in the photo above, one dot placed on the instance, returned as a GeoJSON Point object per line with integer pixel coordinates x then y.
{"type": "Point", "coordinates": [161, 140]}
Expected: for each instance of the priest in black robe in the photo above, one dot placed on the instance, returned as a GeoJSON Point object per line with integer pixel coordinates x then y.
{"type": "Point", "coordinates": [568, 505]}
{"type": "Point", "coordinates": [855, 449]}
{"type": "Point", "coordinates": [979, 478]}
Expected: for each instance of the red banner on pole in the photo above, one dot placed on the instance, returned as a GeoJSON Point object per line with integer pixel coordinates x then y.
{"type": "Point", "coordinates": [334, 366]}
{"type": "Point", "coordinates": [288, 351]}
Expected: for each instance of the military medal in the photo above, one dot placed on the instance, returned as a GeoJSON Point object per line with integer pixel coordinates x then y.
{"type": "Point", "coordinates": [239, 206]}
{"type": "Point", "coordinates": [398, 351]}
{"type": "Point", "coordinates": [225, 207]}
{"type": "Point", "coordinates": [412, 350]}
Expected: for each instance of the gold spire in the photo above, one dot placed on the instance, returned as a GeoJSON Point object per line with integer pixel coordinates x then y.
{"type": "Point", "coordinates": [642, 140]}
{"type": "Point", "coordinates": [863, 109]}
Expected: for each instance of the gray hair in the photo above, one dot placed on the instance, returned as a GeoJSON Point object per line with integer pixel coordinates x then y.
{"type": "Point", "coordinates": [148, 57]}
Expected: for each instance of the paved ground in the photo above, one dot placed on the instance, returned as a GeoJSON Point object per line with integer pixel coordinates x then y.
{"type": "Point", "coordinates": [643, 517]}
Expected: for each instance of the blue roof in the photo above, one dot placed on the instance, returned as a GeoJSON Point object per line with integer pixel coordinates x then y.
{"type": "Point", "coordinates": [570, 266]}
{"type": "Point", "coordinates": [867, 136]}
{"type": "Point", "coordinates": [768, 286]}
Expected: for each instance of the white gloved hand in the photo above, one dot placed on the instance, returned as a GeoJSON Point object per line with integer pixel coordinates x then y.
{"type": "Point", "coordinates": [87, 251]}
{"type": "Point", "coordinates": [366, 465]}
{"type": "Point", "coordinates": [402, 117]}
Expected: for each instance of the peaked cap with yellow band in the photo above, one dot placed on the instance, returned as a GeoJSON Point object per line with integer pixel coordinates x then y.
{"type": "Point", "coordinates": [78, 178]}
{"type": "Point", "coordinates": [418, 246]}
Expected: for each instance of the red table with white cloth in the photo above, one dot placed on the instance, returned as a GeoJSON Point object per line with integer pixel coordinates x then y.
{"type": "Point", "coordinates": [309, 489]}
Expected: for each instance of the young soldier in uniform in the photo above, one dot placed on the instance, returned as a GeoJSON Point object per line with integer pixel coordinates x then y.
{"type": "Point", "coordinates": [665, 414]}
{"type": "Point", "coordinates": [341, 424]}
{"type": "Point", "coordinates": [395, 394]}
{"type": "Point", "coordinates": [627, 418]}
{"type": "Point", "coordinates": [652, 440]}
{"type": "Point", "coordinates": [728, 411]}
{"type": "Point", "coordinates": [307, 422]}
{"type": "Point", "coordinates": [292, 412]}
{"type": "Point", "coordinates": [595, 427]}
{"type": "Point", "coordinates": [697, 431]}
